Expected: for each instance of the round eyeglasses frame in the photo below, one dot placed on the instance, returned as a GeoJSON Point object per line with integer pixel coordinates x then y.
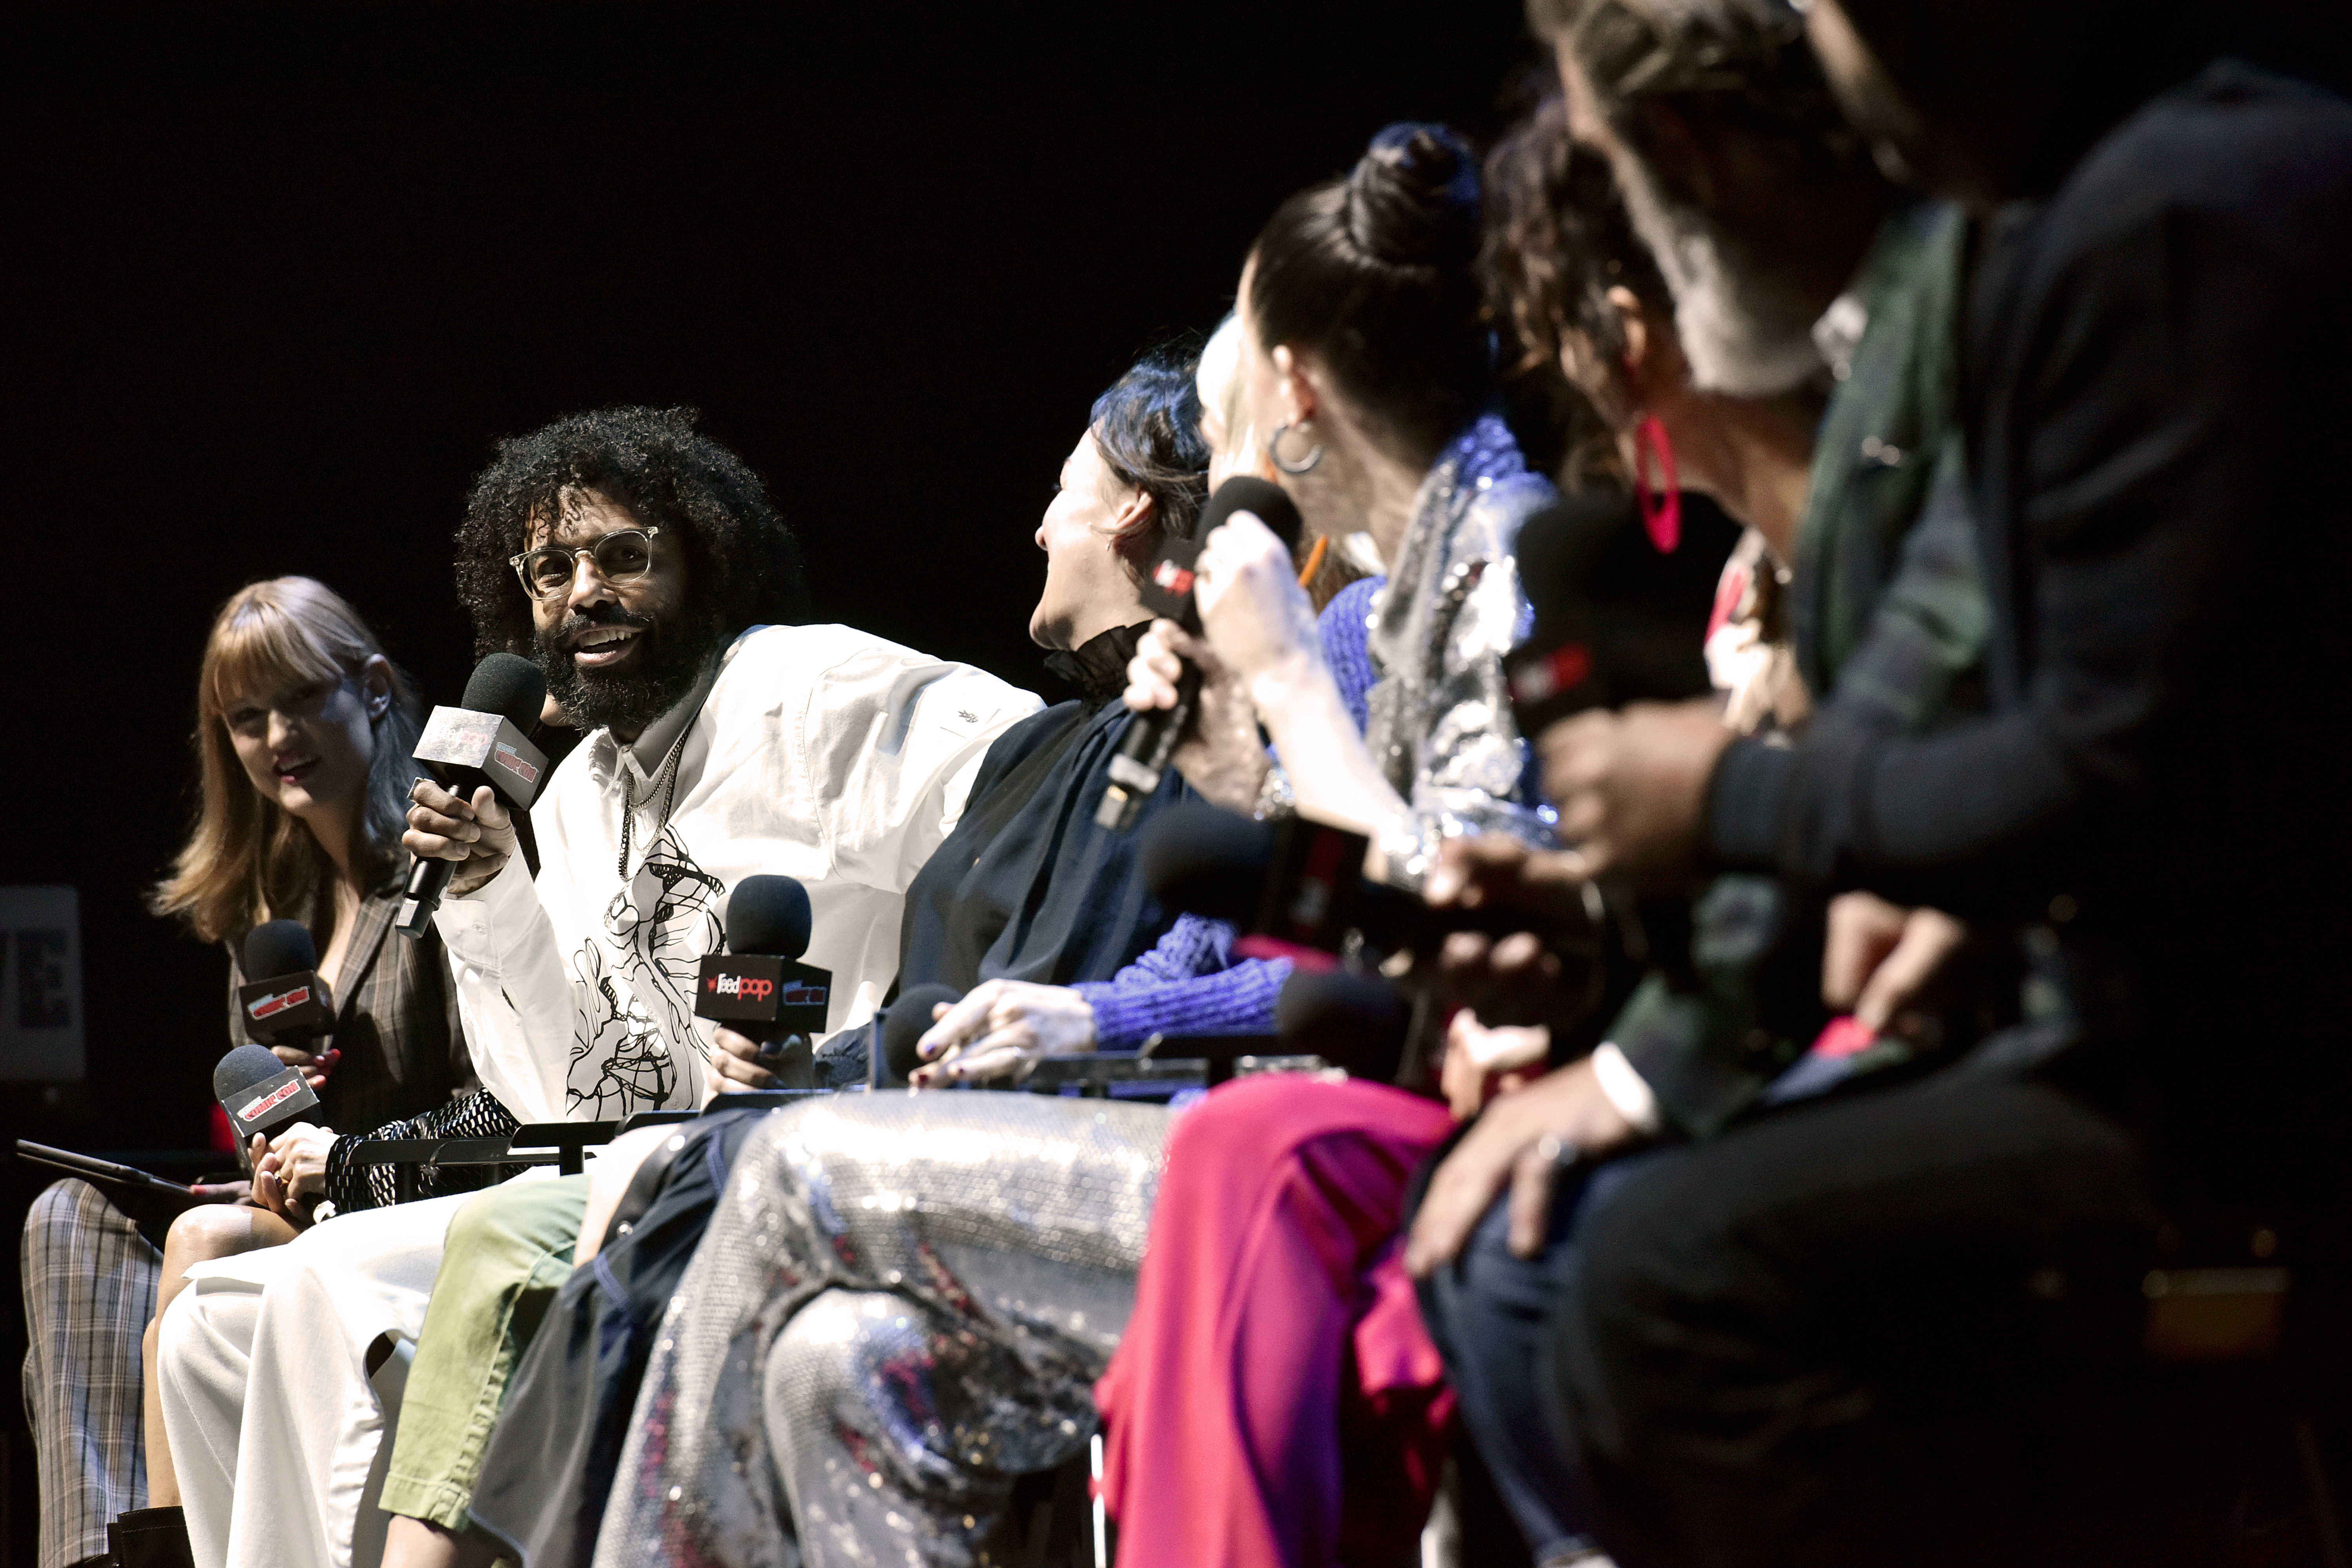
{"type": "Point", "coordinates": [594, 551]}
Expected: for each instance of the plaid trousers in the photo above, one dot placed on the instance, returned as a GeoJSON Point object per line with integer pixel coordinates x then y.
{"type": "Point", "coordinates": [90, 1289]}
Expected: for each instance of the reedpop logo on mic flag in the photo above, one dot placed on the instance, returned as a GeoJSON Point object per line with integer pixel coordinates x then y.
{"type": "Point", "coordinates": [763, 989]}
{"type": "Point", "coordinates": [750, 987]}
{"type": "Point", "coordinates": [755, 988]}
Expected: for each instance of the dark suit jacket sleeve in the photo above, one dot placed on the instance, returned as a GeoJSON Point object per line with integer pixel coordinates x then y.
{"type": "Point", "coordinates": [2158, 363]}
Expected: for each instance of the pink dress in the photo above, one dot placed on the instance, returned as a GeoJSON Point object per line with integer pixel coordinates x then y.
{"type": "Point", "coordinates": [1276, 1399]}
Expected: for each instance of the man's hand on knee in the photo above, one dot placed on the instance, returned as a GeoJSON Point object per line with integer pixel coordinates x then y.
{"type": "Point", "coordinates": [1519, 1142]}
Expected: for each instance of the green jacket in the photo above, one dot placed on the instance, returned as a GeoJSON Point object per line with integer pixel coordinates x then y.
{"type": "Point", "coordinates": [1888, 619]}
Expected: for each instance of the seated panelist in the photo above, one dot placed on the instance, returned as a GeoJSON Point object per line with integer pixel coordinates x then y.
{"type": "Point", "coordinates": [1874, 619]}
{"type": "Point", "coordinates": [1261, 1308]}
{"type": "Point", "coordinates": [1032, 911]}
{"type": "Point", "coordinates": [304, 729]}
{"type": "Point", "coordinates": [2150, 347]}
{"type": "Point", "coordinates": [642, 565]}
{"type": "Point", "coordinates": [934, 1281]}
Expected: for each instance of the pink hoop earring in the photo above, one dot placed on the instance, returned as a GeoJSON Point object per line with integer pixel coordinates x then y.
{"type": "Point", "coordinates": [1662, 512]}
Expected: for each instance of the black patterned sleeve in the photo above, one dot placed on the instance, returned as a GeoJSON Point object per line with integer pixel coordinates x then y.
{"type": "Point", "coordinates": [478, 1115]}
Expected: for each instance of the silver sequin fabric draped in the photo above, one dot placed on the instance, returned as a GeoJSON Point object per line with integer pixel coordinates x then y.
{"type": "Point", "coordinates": [901, 1304]}
{"type": "Point", "coordinates": [1440, 722]}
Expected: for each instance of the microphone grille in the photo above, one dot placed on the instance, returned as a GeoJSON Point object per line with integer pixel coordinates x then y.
{"type": "Point", "coordinates": [1205, 861]}
{"type": "Point", "coordinates": [1560, 554]}
{"type": "Point", "coordinates": [768, 915]}
{"type": "Point", "coordinates": [510, 685]}
{"type": "Point", "coordinates": [242, 1069]}
{"type": "Point", "coordinates": [1356, 1021]}
{"type": "Point", "coordinates": [1247, 492]}
{"type": "Point", "coordinates": [903, 1027]}
{"type": "Point", "coordinates": [277, 947]}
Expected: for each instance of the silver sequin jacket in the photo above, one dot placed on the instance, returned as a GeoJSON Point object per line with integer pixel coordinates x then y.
{"type": "Point", "coordinates": [1441, 717]}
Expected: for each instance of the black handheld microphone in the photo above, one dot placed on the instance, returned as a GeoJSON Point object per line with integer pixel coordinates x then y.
{"type": "Point", "coordinates": [260, 1092]}
{"type": "Point", "coordinates": [1556, 674]}
{"type": "Point", "coordinates": [1151, 739]}
{"type": "Point", "coordinates": [487, 741]}
{"type": "Point", "coordinates": [1206, 861]}
{"type": "Point", "coordinates": [902, 1031]}
{"type": "Point", "coordinates": [283, 998]}
{"type": "Point", "coordinates": [1358, 1022]}
{"type": "Point", "coordinates": [1296, 884]}
{"type": "Point", "coordinates": [758, 988]}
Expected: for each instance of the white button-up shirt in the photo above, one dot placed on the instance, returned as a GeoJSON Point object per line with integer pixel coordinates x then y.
{"type": "Point", "coordinates": [821, 753]}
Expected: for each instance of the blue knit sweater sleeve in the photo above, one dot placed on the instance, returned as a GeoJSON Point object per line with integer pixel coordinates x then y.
{"type": "Point", "coordinates": [1342, 626]}
{"type": "Point", "coordinates": [1187, 985]}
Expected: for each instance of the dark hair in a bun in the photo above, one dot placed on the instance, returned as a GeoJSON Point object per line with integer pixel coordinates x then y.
{"type": "Point", "coordinates": [1378, 274]}
{"type": "Point", "coordinates": [1413, 197]}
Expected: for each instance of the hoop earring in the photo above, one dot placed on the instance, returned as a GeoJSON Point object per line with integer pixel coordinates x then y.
{"type": "Point", "coordinates": [1274, 451]}
{"type": "Point", "coordinates": [1662, 512]}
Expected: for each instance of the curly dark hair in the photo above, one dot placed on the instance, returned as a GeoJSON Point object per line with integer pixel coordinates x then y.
{"type": "Point", "coordinates": [1148, 428]}
{"type": "Point", "coordinates": [1558, 239]}
{"type": "Point", "coordinates": [743, 564]}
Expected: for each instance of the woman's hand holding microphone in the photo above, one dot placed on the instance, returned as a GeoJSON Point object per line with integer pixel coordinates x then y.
{"type": "Point", "coordinates": [1258, 642]}
{"type": "Point", "coordinates": [314, 1066]}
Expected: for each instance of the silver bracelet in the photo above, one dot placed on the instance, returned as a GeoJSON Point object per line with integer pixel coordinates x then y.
{"type": "Point", "coordinates": [1275, 800]}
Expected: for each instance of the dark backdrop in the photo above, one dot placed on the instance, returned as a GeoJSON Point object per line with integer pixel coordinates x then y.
{"type": "Point", "coordinates": [276, 277]}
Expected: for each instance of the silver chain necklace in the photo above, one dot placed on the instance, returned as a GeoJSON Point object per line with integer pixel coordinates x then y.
{"type": "Point", "coordinates": [665, 780]}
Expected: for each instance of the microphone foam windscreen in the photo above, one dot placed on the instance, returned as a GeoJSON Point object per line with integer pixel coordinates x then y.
{"type": "Point", "coordinates": [1247, 492]}
{"type": "Point", "coordinates": [1558, 555]}
{"type": "Point", "coordinates": [242, 1069]}
{"type": "Point", "coordinates": [903, 1027]}
{"type": "Point", "coordinates": [510, 685]}
{"type": "Point", "coordinates": [768, 915]}
{"type": "Point", "coordinates": [277, 947]}
{"type": "Point", "coordinates": [1205, 861]}
{"type": "Point", "coordinates": [1356, 1021]}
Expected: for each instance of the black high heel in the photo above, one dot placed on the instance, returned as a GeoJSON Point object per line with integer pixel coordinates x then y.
{"type": "Point", "coordinates": [150, 1538]}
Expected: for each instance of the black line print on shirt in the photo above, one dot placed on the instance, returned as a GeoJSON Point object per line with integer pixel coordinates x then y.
{"type": "Point", "coordinates": [632, 985]}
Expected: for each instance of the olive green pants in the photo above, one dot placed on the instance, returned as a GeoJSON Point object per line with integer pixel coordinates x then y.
{"type": "Point", "coordinates": [508, 1251]}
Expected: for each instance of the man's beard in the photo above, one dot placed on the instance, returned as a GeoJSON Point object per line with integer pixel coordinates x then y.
{"type": "Point", "coordinates": [1742, 335]}
{"type": "Point", "coordinates": [672, 652]}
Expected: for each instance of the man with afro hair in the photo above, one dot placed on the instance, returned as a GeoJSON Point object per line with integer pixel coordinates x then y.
{"type": "Point", "coordinates": [635, 559]}
{"type": "Point", "coordinates": [640, 565]}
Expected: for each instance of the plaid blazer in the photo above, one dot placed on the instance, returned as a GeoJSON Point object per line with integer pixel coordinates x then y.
{"type": "Point", "coordinates": [395, 1023]}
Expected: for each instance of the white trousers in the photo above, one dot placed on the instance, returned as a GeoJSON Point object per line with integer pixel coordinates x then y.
{"type": "Point", "coordinates": [276, 1428]}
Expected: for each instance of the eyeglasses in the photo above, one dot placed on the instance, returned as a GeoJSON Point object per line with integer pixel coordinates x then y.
{"type": "Point", "coordinates": [622, 556]}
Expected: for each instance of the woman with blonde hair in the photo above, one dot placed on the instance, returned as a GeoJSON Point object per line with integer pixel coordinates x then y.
{"type": "Point", "coordinates": [303, 740]}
